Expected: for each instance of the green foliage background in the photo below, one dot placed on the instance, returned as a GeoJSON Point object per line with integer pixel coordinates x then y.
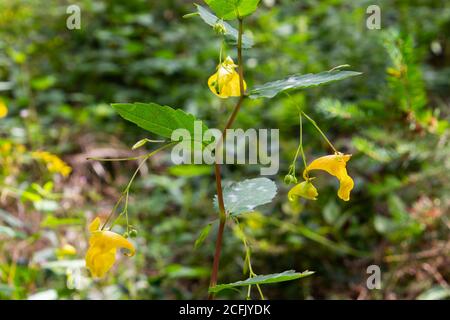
{"type": "Point", "coordinates": [58, 83]}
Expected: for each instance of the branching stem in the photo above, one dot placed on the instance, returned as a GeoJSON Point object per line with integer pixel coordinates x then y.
{"type": "Point", "coordinates": [126, 191]}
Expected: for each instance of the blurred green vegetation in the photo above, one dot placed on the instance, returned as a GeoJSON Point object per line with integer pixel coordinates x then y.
{"type": "Point", "coordinates": [57, 85]}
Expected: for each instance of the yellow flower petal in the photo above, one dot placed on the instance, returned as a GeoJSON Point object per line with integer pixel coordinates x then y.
{"type": "Point", "coordinates": [336, 166]}
{"type": "Point", "coordinates": [103, 245]}
{"type": "Point", "coordinates": [95, 225]}
{"type": "Point", "coordinates": [100, 261]}
{"type": "Point", "coordinates": [346, 185]}
{"type": "Point", "coordinates": [115, 240]}
{"type": "Point", "coordinates": [3, 109]}
{"type": "Point", "coordinates": [304, 189]}
{"type": "Point", "coordinates": [225, 82]}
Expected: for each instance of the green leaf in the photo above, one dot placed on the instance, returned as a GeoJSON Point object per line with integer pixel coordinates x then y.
{"type": "Point", "coordinates": [337, 247]}
{"type": "Point", "coordinates": [203, 235]}
{"type": "Point", "coordinates": [435, 293]}
{"type": "Point", "coordinates": [331, 212]}
{"type": "Point", "coordinates": [30, 196]}
{"type": "Point", "coordinates": [50, 294]}
{"type": "Point", "coordinates": [372, 150]}
{"type": "Point", "coordinates": [190, 170]}
{"type": "Point", "coordinates": [53, 222]}
{"type": "Point", "coordinates": [263, 279]}
{"type": "Point", "coordinates": [160, 120]}
{"type": "Point", "coordinates": [230, 32]}
{"type": "Point", "coordinates": [11, 233]}
{"type": "Point", "coordinates": [245, 196]}
{"type": "Point", "coordinates": [175, 271]}
{"type": "Point", "coordinates": [6, 290]}
{"type": "Point", "coordinates": [334, 108]}
{"type": "Point", "coordinates": [10, 219]}
{"type": "Point", "coordinates": [7, 231]}
{"type": "Point", "coordinates": [43, 83]}
{"type": "Point", "coordinates": [401, 225]}
{"type": "Point", "coordinates": [46, 205]}
{"type": "Point", "coordinates": [271, 89]}
{"type": "Point", "coordinates": [386, 186]}
{"type": "Point", "coordinates": [232, 9]}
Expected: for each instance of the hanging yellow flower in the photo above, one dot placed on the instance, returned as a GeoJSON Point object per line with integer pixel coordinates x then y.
{"type": "Point", "coordinates": [336, 166]}
{"type": "Point", "coordinates": [304, 189]}
{"type": "Point", "coordinates": [225, 82]}
{"type": "Point", "coordinates": [103, 245]}
{"type": "Point", "coordinates": [3, 109]}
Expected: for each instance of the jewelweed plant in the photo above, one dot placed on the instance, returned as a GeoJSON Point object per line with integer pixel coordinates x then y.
{"type": "Point", "coordinates": [240, 197]}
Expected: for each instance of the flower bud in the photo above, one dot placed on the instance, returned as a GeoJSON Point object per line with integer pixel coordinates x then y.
{"type": "Point", "coordinates": [305, 190]}
{"type": "Point", "coordinates": [289, 178]}
{"type": "Point", "coordinates": [219, 28]}
{"type": "Point", "coordinates": [133, 233]}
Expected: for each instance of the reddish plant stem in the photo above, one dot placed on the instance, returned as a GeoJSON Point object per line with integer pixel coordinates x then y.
{"type": "Point", "coordinates": [217, 169]}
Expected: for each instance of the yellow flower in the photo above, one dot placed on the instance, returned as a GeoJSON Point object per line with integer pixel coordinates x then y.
{"type": "Point", "coordinates": [3, 109]}
{"type": "Point", "coordinates": [54, 164]}
{"type": "Point", "coordinates": [335, 165]}
{"type": "Point", "coordinates": [66, 250]}
{"type": "Point", "coordinates": [103, 245]}
{"type": "Point", "coordinates": [5, 148]}
{"type": "Point", "coordinates": [225, 82]}
{"type": "Point", "coordinates": [304, 189]}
